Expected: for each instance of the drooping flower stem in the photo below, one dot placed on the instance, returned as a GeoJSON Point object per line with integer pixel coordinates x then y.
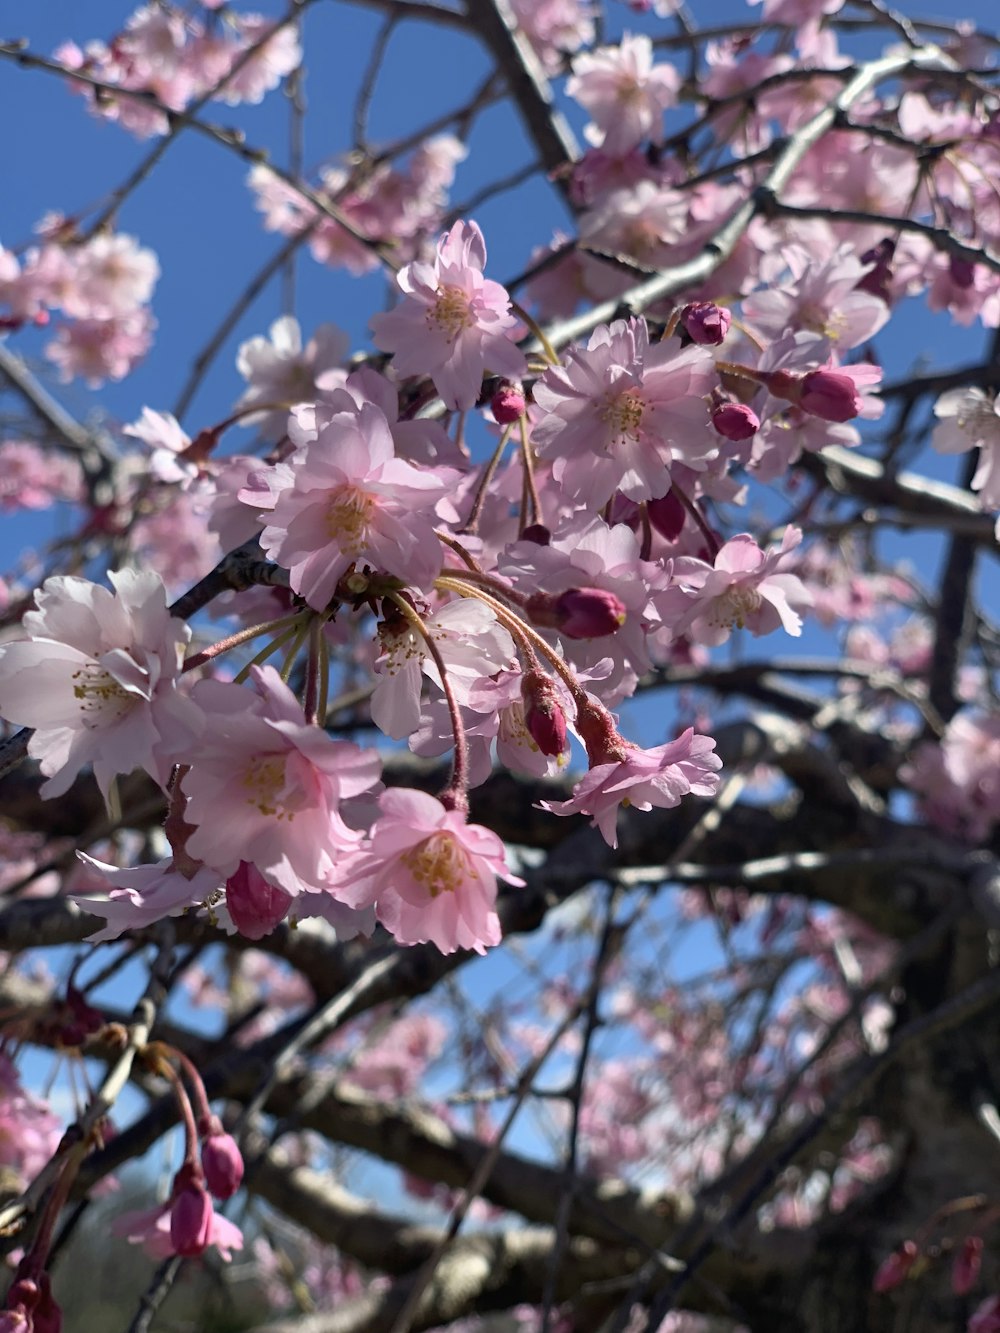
{"type": "Point", "coordinates": [482, 490]}
{"type": "Point", "coordinates": [314, 671]}
{"type": "Point", "coordinates": [714, 545]}
{"type": "Point", "coordinates": [291, 632]}
{"type": "Point", "coordinates": [530, 502]}
{"type": "Point", "coordinates": [523, 634]}
{"type": "Point", "coordinates": [235, 640]}
{"type": "Point", "coordinates": [455, 794]}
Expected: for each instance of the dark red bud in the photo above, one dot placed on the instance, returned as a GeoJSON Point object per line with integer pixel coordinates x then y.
{"type": "Point", "coordinates": [706, 323]}
{"type": "Point", "coordinates": [507, 404]}
{"type": "Point", "coordinates": [667, 516]}
{"type": "Point", "coordinates": [736, 421]}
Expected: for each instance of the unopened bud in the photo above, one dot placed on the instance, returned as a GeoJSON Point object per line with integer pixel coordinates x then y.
{"type": "Point", "coordinates": [537, 533]}
{"type": "Point", "coordinates": [735, 421]}
{"type": "Point", "coordinates": [507, 404]}
{"type": "Point", "coordinates": [893, 1270]}
{"type": "Point", "coordinates": [255, 904]}
{"type": "Point", "coordinates": [829, 394]}
{"type": "Point", "coordinates": [706, 323]}
{"type": "Point", "coordinates": [543, 713]}
{"type": "Point", "coordinates": [579, 613]}
{"type": "Point", "coordinates": [667, 515]}
{"type": "Point", "coordinates": [961, 272]}
{"type": "Point", "coordinates": [222, 1162]}
{"type": "Point", "coordinates": [876, 280]}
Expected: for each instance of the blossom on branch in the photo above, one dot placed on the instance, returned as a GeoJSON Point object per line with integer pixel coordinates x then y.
{"type": "Point", "coordinates": [452, 324]}
{"type": "Point", "coordinates": [97, 678]}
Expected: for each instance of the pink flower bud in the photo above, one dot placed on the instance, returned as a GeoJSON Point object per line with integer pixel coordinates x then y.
{"type": "Point", "coordinates": [829, 394]}
{"type": "Point", "coordinates": [667, 516]}
{"type": "Point", "coordinates": [588, 613]}
{"type": "Point", "coordinates": [893, 1270]}
{"type": "Point", "coordinates": [705, 323]}
{"type": "Point", "coordinates": [967, 1264]}
{"type": "Point", "coordinates": [222, 1163]}
{"type": "Point", "coordinates": [190, 1220]}
{"type": "Point", "coordinates": [735, 421]}
{"type": "Point", "coordinates": [507, 404]}
{"type": "Point", "coordinates": [255, 904]}
{"type": "Point", "coordinates": [543, 713]}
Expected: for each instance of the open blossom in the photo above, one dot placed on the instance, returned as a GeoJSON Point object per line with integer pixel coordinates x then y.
{"type": "Point", "coordinates": [625, 93]}
{"type": "Point", "coordinates": [472, 645]}
{"type": "Point", "coordinates": [643, 778]}
{"type": "Point", "coordinates": [967, 418]}
{"type": "Point", "coordinates": [143, 895]}
{"type": "Point", "coordinates": [155, 1230]}
{"type": "Point", "coordinates": [744, 589]}
{"type": "Point", "coordinates": [278, 369]}
{"type": "Point", "coordinates": [617, 414]}
{"type": "Point", "coordinates": [97, 679]}
{"type": "Point", "coordinates": [344, 500]}
{"type": "Point", "coordinates": [431, 876]}
{"type": "Point", "coordinates": [452, 324]}
{"type": "Point", "coordinates": [265, 787]}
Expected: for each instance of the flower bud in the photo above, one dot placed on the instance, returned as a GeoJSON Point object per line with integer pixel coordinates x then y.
{"type": "Point", "coordinates": [968, 1262]}
{"type": "Point", "coordinates": [537, 533]}
{"type": "Point", "coordinates": [667, 515]}
{"type": "Point", "coordinates": [735, 421]}
{"type": "Point", "coordinates": [579, 613]}
{"type": "Point", "coordinates": [543, 713]}
{"type": "Point", "coordinates": [222, 1162]}
{"type": "Point", "coordinates": [876, 280]}
{"type": "Point", "coordinates": [893, 1270]}
{"type": "Point", "coordinates": [706, 323]}
{"type": "Point", "coordinates": [961, 272]}
{"type": "Point", "coordinates": [829, 394]}
{"type": "Point", "coordinates": [190, 1220]}
{"type": "Point", "coordinates": [255, 904]}
{"type": "Point", "coordinates": [507, 404]}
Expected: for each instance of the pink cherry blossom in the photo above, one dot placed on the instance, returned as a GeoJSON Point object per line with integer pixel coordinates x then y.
{"type": "Point", "coordinates": [626, 409]}
{"type": "Point", "coordinates": [97, 679]}
{"type": "Point", "coordinates": [96, 350]}
{"type": "Point", "coordinates": [643, 779]}
{"type": "Point", "coordinates": [432, 876]}
{"type": "Point", "coordinates": [34, 478]}
{"type": "Point", "coordinates": [452, 324]}
{"type": "Point", "coordinates": [625, 93]}
{"type": "Point", "coordinates": [969, 418]}
{"type": "Point", "coordinates": [143, 895]}
{"type": "Point", "coordinates": [347, 500]}
{"type": "Point", "coordinates": [151, 1228]}
{"type": "Point", "coordinates": [265, 787]}
{"type": "Point", "coordinates": [278, 369]}
{"type": "Point", "coordinates": [471, 643]}
{"type": "Point", "coordinates": [555, 28]}
{"type": "Point", "coordinates": [745, 589]}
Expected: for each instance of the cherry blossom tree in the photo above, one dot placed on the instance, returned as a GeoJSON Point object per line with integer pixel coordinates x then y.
{"type": "Point", "coordinates": [501, 803]}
